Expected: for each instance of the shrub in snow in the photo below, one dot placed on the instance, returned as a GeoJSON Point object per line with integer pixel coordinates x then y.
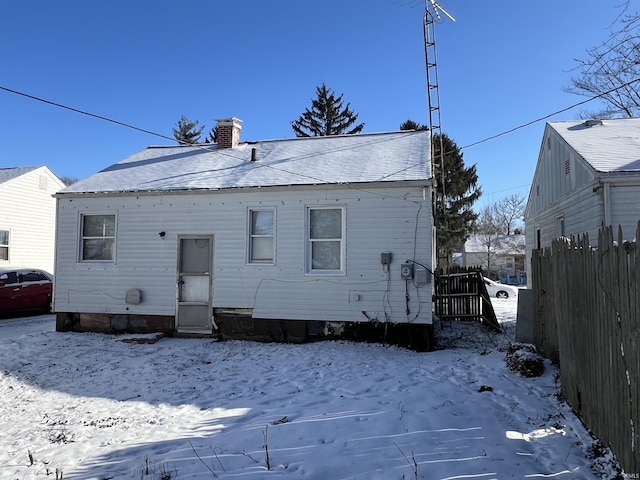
{"type": "Point", "coordinates": [523, 358]}
{"type": "Point", "coordinates": [603, 462]}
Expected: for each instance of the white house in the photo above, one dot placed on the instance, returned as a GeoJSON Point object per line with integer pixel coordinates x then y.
{"type": "Point", "coordinates": [27, 217]}
{"type": "Point", "coordinates": [502, 257]}
{"type": "Point", "coordinates": [281, 239]}
{"type": "Point", "coordinates": [587, 176]}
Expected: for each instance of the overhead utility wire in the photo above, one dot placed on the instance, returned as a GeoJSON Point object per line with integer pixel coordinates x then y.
{"type": "Point", "coordinates": [100, 117]}
{"type": "Point", "coordinates": [549, 115]}
{"type": "Point", "coordinates": [511, 130]}
{"type": "Point", "coordinates": [86, 113]}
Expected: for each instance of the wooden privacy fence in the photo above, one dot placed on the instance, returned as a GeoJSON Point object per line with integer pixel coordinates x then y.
{"type": "Point", "coordinates": [587, 317]}
{"type": "Point", "coordinates": [462, 295]}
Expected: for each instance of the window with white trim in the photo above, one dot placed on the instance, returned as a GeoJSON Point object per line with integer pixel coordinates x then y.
{"type": "Point", "coordinates": [98, 234]}
{"type": "Point", "coordinates": [4, 245]}
{"type": "Point", "coordinates": [325, 240]}
{"type": "Point", "coordinates": [262, 235]}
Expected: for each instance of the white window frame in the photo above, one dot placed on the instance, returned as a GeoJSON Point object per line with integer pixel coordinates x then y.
{"type": "Point", "coordinates": [113, 237]}
{"type": "Point", "coordinates": [251, 236]}
{"type": "Point", "coordinates": [342, 240]}
{"type": "Point", "coordinates": [6, 246]}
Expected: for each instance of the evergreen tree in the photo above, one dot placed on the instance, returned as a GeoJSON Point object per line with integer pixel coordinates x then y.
{"type": "Point", "coordinates": [187, 132]}
{"type": "Point", "coordinates": [213, 135]}
{"type": "Point", "coordinates": [454, 217]}
{"type": "Point", "coordinates": [412, 125]}
{"type": "Point", "coordinates": [326, 117]}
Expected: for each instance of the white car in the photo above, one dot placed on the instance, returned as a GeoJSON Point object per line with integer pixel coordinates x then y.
{"type": "Point", "coordinates": [500, 290]}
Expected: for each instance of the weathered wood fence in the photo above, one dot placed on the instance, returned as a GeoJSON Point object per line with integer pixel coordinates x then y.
{"type": "Point", "coordinates": [461, 295]}
{"type": "Point", "coordinates": [587, 317]}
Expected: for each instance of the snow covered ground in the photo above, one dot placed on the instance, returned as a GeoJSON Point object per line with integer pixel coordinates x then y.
{"type": "Point", "coordinates": [93, 406]}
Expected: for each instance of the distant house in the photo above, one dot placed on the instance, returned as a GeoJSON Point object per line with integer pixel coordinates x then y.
{"type": "Point", "coordinates": [587, 176]}
{"type": "Point", "coordinates": [501, 257]}
{"type": "Point", "coordinates": [271, 240]}
{"type": "Point", "coordinates": [27, 217]}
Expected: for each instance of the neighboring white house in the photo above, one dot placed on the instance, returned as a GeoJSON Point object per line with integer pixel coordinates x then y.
{"type": "Point", "coordinates": [501, 257]}
{"type": "Point", "coordinates": [587, 176]}
{"type": "Point", "coordinates": [28, 217]}
{"type": "Point", "coordinates": [280, 239]}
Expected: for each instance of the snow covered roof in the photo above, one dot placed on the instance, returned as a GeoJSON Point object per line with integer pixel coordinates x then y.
{"type": "Point", "coordinates": [7, 174]}
{"type": "Point", "coordinates": [499, 244]}
{"type": "Point", "coordinates": [377, 157]}
{"type": "Point", "coordinates": [608, 146]}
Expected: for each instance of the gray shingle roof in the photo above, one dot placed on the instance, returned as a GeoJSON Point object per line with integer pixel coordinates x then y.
{"type": "Point", "coordinates": [613, 146]}
{"type": "Point", "coordinates": [300, 161]}
{"type": "Point", "coordinates": [7, 174]}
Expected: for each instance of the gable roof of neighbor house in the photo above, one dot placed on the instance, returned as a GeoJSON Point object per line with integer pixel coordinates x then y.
{"type": "Point", "coordinates": [339, 159]}
{"type": "Point", "coordinates": [10, 173]}
{"type": "Point", "coordinates": [609, 146]}
{"type": "Point", "coordinates": [500, 244]}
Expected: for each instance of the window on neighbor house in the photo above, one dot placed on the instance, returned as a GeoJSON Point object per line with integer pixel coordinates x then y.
{"type": "Point", "coordinates": [98, 238]}
{"type": "Point", "coordinates": [262, 236]}
{"type": "Point", "coordinates": [325, 240]}
{"type": "Point", "coordinates": [4, 244]}
{"type": "Point", "coordinates": [560, 226]}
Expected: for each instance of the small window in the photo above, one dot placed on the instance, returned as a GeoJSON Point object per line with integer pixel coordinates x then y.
{"type": "Point", "coordinates": [4, 244]}
{"type": "Point", "coordinates": [560, 226]}
{"type": "Point", "coordinates": [261, 236]}
{"type": "Point", "coordinates": [326, 245]}
{"type": "Point", "coordinates": [98, 238]}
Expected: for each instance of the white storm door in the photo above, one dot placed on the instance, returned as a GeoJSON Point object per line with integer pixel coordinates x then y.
{"type": "Point", "coordinates": [194, 310]}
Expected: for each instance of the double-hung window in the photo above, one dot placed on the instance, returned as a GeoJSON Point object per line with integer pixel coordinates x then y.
{"type": "Point", "coordinates": [4, 244]}
{"type": "Point", "coordinates": [262, 235]}
{"type": "Point", "coordinates": [325, 240]}
{"type": "Point", "coordinates": [98, 238]}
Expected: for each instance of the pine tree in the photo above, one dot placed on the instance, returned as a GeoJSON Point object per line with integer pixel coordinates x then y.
{"type": "Point", "coordinates": [213, 135]}
{"type": "Point", "coordinates": [326, 117]}
{"type": "Point", "coordinates": [187, 132]}
{"type": "Point", "coordinates": [412, 125]}
{"type": "Point", "coordinates": [454, 217]}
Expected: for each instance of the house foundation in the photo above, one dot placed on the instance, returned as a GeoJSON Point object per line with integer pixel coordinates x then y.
{"type": "Point", "coordinates": [418, 337]}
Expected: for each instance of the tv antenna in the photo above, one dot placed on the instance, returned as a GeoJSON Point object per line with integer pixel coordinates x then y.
{"type": "Point", "coordinates": [432, 11]}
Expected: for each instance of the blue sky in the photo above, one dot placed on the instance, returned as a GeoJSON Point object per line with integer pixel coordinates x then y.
{"type": "Point", "coordinates": [147, 62]}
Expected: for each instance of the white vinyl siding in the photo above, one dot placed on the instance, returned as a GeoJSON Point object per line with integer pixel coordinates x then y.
{"type": "Point", "coordinates": [98, 238]}
{"type": "Point", "coordinates": [261, 246]}
{"type": "Point", "coordinates": [147, 261]}
{"type": "Point", "coordinates": [326, 242]}
{"type": "Point", "coordinates": [32, 225]}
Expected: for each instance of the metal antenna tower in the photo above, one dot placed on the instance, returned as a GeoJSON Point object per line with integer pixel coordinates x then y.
{"type": "Point", "coordinates": [435, 124]}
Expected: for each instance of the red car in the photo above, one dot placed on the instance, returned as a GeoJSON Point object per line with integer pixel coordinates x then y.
{"type": "Point", "coordinates": [24, 289]}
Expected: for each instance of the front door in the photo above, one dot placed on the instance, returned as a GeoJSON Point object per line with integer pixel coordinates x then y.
{"type": "Point", "coordinates": [194, 294]}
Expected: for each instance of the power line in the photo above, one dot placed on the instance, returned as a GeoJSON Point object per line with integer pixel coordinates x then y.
{"type": "Point", "coordinates": [100, 117]}
{"type": "Point", "coordinates": [511, 130]}
{"type": "Point", "coordinates": [492, 137]}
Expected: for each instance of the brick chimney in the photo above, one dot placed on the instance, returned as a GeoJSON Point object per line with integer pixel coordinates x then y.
{"type": "Point", "coordinates": [229, 132]}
